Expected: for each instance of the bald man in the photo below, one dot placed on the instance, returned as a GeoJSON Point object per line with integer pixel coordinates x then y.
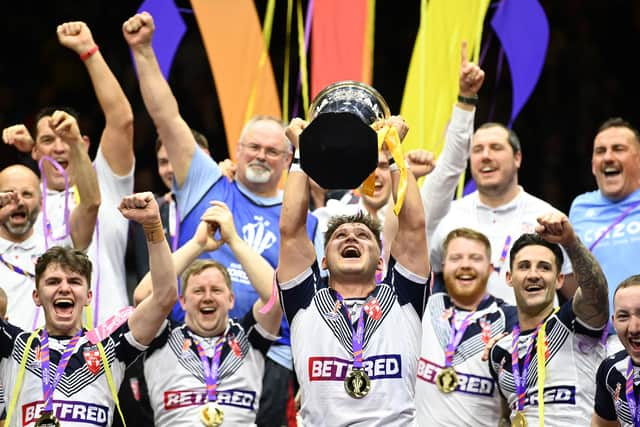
{"type": "Point", "coordinates": [20, 247]}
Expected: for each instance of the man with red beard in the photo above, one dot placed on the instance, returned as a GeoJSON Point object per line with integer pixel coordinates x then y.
{"type": "Point", "coordinates": [454, 385]}
{"type": "Point", "coordinates": [607, 219]}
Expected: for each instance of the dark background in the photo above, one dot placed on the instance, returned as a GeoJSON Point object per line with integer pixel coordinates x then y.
{"type": "Point", "coordinates": [590, 74]}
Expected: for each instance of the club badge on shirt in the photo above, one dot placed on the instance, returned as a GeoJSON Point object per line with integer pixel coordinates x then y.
{"type": "Point", "coordinates": [92, 357]}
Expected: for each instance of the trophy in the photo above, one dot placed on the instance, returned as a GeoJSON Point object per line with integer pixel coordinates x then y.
{"type": "Point", "coordinates": [339, 149]}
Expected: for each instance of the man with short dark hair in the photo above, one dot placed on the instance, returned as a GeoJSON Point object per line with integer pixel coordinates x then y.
{"type": "Point", "coordinates": [545, 368]}
{"type": "Point", "coordinates": [86, 368]}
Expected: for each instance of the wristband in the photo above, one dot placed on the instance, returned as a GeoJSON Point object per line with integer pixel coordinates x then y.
{"type": "Point", "coordinates": [89, 53]}
{"type": "Point", "coordinates": [154, 232]}
{"type": "Point", "coordinates": [469, 100]}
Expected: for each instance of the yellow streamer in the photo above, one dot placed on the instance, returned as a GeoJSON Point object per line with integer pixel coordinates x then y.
{"type": "Point", "coordinates": [432, 82]}
{"type": "Point", "coordinates": [287, 63]}
{"type": "Point", "coordinates": [266, 36]}
{"type": "Point", "coordinates": [302, 53]}
{"type": "Point", "coordinates": [369, 40]}
{"type": "Point", "coordinates": [15, 392]}
{"type": "Point", "coordinates": [541, 350]}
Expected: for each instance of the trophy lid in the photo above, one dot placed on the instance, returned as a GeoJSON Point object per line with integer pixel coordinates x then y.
{"type": "Point", "coordinates": [350, 96]}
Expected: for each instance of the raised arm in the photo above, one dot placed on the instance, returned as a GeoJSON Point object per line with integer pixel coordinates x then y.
{"type": "Point", "coordinates": [259, 271]}
{"type": "Point", "coordinates": [83, 217]}
{"type": "Point", "coordinates": [116, 142]}
{"type": "Point", "coordinates": [296, 250]}
{"type": "Point", "coordinates": [590, 303]}
{"type": "Point", "coordinates": [160, 102]}
{"type": "Point", "coordinates": [150, 314]}
{"type": "Point", "coordinates": [439, 187]}
{"type": "Point", "coordinates": [409, 246]}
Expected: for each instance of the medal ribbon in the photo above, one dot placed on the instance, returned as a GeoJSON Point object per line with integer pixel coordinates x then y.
{"type": "Point", "coordinates": [210, 370]}
{"type": "Point", "coordinates": [357, 336]}
{"type": "Point", "coordinates": [48, 386]}
{"type": "Point", "coordinates": [632, 399]}
{"type": "Point", "coordinates": [456, 336]}
{"type": "Point", "coordinates": [48, 232]}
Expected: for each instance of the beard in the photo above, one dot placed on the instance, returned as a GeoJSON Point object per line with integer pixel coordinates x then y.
{"type": "Point", "coordinates": [21, 230]}
{"type": "Point", "coordinates": [258, 172]}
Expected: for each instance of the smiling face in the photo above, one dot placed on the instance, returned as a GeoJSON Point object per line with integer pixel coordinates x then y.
{"type": "Point", "coordinates": [207, 300]}
{"type": "Point", "coordinates": [352, 251]}
{"type": "Point", "coordinates": [62, 293]}
{"type": "Point", "coordinates": [494, 165]}
{"type": "Point", "coordinates": [466, 269]}
{"type": "Point", "coordinates": [535, 277]}
{"type": "Point", "coordinates": [262, 155]}
{"type": "Point", "coordinates": [626, 319]}
{"type": "Point", "coordinates": [615, 162]}
{"type": "Point", "coordinates": [18, 225]}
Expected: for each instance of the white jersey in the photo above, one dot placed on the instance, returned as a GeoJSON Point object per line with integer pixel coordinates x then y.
{"type": "Point", "coordinates": [109, 240]}
{"type": "Point", "coordinates": [82, 398]}
{"type": "Point", "coordinates": [175, 376]}
{"type": "Point", "coordinates": [476, 400]}
{"type": "Point", "coordinates": [512, 219]}
{"type": "Point", "coordinates": [611, 382]}
{"type": "Point", "coordinates": [574, 353]}
{"type": "Point", "coordinates": [17, 270]}
{"type": "Point", "coordinates": [321, 340]}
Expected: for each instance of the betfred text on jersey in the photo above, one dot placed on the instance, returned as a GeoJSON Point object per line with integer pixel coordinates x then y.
{"type": "Point", "coordinates": [175, 399]}
{"type": "Point", "coordinates": [70, 411]}
{"type": "Point", "coordinates": [335, 369]}
{"type": "Point", "coordinates": [472, 384]}
{"type": "Point", "coordinates": [560, 394]}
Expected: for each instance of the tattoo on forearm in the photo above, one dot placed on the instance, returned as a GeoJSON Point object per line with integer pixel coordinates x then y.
{"type": "Point", "coordinates": [591, 302]}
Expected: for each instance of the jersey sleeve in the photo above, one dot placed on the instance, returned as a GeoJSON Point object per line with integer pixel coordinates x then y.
{"type": "Point", "coordinates": [410, 288]}
{"type": "Point", "coordinates": [603, 403]}
{"type": "Point", "coordinates": [297, 293]}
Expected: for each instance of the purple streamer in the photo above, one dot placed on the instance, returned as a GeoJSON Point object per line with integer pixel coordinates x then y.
{"type": "Point", "coordinates": [523, 30]}
{"type": "Point", "coordinates": [170, 29]}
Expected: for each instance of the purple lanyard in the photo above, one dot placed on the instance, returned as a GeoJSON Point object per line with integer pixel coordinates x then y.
{"type": "Point", "coordinates": [48, 386]}
{"type": "Point", "coordinates": [210, 369]}
{"type": "Point", "coordinates": [47, 228]}
{"type": "Point", "coordinates": [632, 400]}
{"type": "Point", "coordinates": [520, 378]}
{"type": "Point", "coordinates": [503, 254]}
{"type": "Point", "coordinates": [615, 222]}
{"type": "Point", "coordinates": [357, 336]}
{"type": "Point", "coordinates": [16, 269]}
{"type": "Point", "coordinates": [456, 336]}
{"type": "Point", "coordinates": [176, 227]}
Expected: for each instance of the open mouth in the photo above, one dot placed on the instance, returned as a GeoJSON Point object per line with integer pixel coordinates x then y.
{"type": "Point", "coordinates": [466, 277]}
{"type": "Point", "coordinates": [207, 311]}
{"type": "Point", "coordinates": [534, 288]}
{"type": "Point", "coordinates": [611, 171]}
{"type": "Point", "coordinates": [63, 306]}
{"type": "Point", "coordinates": [634, 342]}
{"type": "Point", "coordinates": [350, 252]}
{"type": "Point", "coordinates": [19, 216]}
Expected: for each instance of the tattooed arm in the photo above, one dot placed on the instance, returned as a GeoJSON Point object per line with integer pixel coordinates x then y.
{"type": "Point", "coordinates": [591, 300]}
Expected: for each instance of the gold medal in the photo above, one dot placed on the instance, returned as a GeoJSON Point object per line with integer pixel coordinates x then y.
{"type": "Point", "coordinates": [211, 415]}
{"type": "Point", "coordinates": [47, 419]}
{"type": "Point", "coordinates": [519, 420]}
{"type": "Point", "coordinates": [357, 383]}
{"type": "Point", "coordinates": [447, 380]}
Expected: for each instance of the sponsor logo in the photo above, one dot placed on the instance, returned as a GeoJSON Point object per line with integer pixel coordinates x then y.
{"type": "Point", "coordinates": [552, 395]}
{"type": "Point", "coordinates": [468, 383]}
{"type": "Point", "coordinates": [335, 369]}
{"type": "Point", "coordinates": [69, 411]}
{"type": "Point", "coordinates": [176, 399]}
{"type": "Point", "coordinates": [620, 233]}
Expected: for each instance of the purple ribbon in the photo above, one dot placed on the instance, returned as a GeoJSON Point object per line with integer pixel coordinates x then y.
{"type": "Point", "coordinates": [520, 377]}
{"type": "Point", "coordinates": [357, 336]}
{"type": "Point", "coordinates": [48, 386]}
{"type": "Point", "coordinates": [210, 369]}
{"type": "Point", "coordinates": [615, 222]}
{"type": "Point", "coordinates": [632, 400]}
{"type": "Point", "coordinates": [45, 218]}
{"type": "Point", "coordinates": [456, 336]}
{"type": "Point", "coordinates": [16, 269]}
